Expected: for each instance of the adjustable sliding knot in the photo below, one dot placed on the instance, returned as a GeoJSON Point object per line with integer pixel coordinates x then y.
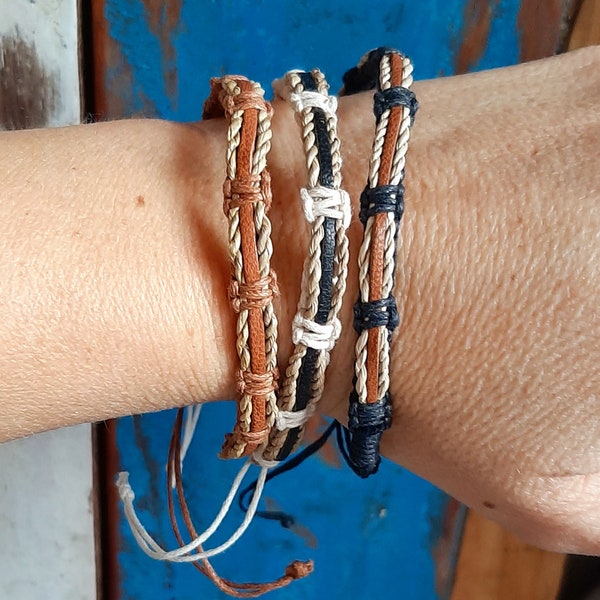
{"type": "Point", "coordinates": [322, 201]}
{"type": "Point", "coordinates": [381, 199]}
{"type": "Point", "coordinates": [257, 384]}
{"type": "Point", "coordinates": [246, 190]}
{"type": "Point", "coordinates": [395, 96]}
{"type": "Point", "coordinates": [311, 100]}
{"type": "Point", "coordinates": [376, 313]}
{"type": "Point", "coordinates": [315, 335]}
{"type": "Point", "coordinates": [366, 424]}
{"type": "Point", "coordinates": [257, 294]}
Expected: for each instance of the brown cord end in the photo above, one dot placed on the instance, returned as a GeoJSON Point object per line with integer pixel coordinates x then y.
{"type": "Point", "coordinates": [299, 569]}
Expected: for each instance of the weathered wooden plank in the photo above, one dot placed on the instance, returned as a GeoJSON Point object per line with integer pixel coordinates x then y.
{"type": "Point", "coordinates": [46, 522]}
{"type": "Point", "coordinates": [495, 565]}
{"type": "Point", "coordinates": [39, 64]}
{"type": "Point", "coordinates": [586, 30]}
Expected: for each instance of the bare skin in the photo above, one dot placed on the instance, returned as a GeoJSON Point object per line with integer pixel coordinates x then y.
{"type": "Point", "coordinates": [113, 276]}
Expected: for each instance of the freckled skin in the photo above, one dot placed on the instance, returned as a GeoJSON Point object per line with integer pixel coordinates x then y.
{"type": "Point", "coordinates": [109, 306]}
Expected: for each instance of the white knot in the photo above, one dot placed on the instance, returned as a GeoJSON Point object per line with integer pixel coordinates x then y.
{"type": "Point", "coordinates": [125, 492]}
{"type": "Point", "coordinates": [321, 201]}
{"type": "Point", "coordinates": [315, 335]}
{"type": "Point", "coordinates": [307, 99]}
{"type": "Point", "coordinates": [288, 419]}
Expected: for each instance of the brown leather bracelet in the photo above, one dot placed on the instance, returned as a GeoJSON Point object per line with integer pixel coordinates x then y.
{"type": "Point", "coordinates": [247, 198]}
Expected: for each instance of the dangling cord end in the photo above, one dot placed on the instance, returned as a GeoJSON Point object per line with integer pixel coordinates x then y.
{"type": "Point", "coordinates": [285, 519]}
{"type": "Point", "coordinates": [295, 570]}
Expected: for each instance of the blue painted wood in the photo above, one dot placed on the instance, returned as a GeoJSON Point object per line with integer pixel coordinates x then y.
{"type": "Point", "coordinates": [376, 538]}
{"type": "Point", "coordinates": [372, 536]}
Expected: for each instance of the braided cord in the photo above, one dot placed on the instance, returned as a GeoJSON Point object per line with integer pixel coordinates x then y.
{"type": "Point", "coordinates": [382, 206]}
{"type": "Point", "coordinates": [316, 326]}
{"type": "Point", "coordinates": [247, 197]}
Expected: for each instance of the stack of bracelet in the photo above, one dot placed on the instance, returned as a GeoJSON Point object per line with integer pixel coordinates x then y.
{"type": "Point", "coordinates": [270, 422]}
{"type": "Point", "coordinates": [381, 208]}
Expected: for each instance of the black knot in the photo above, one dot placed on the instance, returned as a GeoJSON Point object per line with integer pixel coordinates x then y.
{"type": "Point", "coordinates": [366, 424]}
{"type": "Point", "coordinates": [376, 313]}
{"type": "Point", "coordinates": [380, 199]}
{"type": "Point", "coordinates": [369, 419]}
{"type": "Point", "coordinates": [395, 96]}
{"type": "Point", "coordinates": [364, 77]}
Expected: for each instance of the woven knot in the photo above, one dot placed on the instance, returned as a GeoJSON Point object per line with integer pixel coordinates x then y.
{"type": "Point", "coordinates": [247, 190]}
{"type": "Point", "coordinates": [326, 202]}
{"type": "Point", "coordinates": [366, 424]}
{"type": "Point", "coordinates": [257, 384]}
{"type": "Point", "coordinates": [252, 99]}
{"type": "Point", "coordinates": [376, 313]}
{"type": "Point", "coordinates": [257, 294]}
{"type": "Point", "coordinates": [315, 335]}
{"type": "Point", "coordinates": [396, 96]}
{"type": "Point", "coordinates": [381, 199]}
{"type": "Point", "coordinates": [290, 419]}
{"type": "Point", "coordinates": [254, 438]}
{"type": "Point", "coordinates": [239, 94]}
{"type": "Point", "coordinates": [311, 100]}
{"type": "Point", "coordinates": [237, 192]}
{"type": "Point", "coordinates": [369, 419]}
{"type": "Point", "coordinates": [299, 569]}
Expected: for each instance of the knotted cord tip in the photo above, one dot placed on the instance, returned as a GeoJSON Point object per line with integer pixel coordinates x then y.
{"type": "Point", "coordinates": [299, 569]}
{"type": "Point", "coordinates": [125, 492]}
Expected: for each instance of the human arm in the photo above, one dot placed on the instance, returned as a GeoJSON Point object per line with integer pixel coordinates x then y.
{"type": "Point", "coordinates": [114, 275]}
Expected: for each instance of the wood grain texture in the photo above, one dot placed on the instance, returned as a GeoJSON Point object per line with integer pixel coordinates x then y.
{"type": "Point", "coordinates": [495, 565]}
{"type": "Point", "coordinates": [545, 27]}
{"type": "Point", "coordinates": [586, 31]}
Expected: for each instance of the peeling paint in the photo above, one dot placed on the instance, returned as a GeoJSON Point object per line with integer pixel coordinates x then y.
{"type": "Point", "coordinates": [28, 92]}
{"type": "Point", "coordinates": [163, 21]}
{"type": "Point", "coordinates": [475, 34]}
{"type": "Point", "coordinates": [544, 27]}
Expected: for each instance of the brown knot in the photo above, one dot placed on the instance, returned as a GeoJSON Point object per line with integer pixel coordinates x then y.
{"type": "Point", "coordinates": [240, 191]}
{"type": "Point", "coordinates": [254, 438]}
{"type": "Point", "coordinates": [250, 99]}
{"type": "Point", "coordinates": [299, 569]}
{"type": "Point", "coordinates": [257, 294]}
{"type": "Point", "coordinates": [257, 384]}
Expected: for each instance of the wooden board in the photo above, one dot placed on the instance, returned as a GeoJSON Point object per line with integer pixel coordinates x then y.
{"type": "Point", "coordinates": [46, 523]}
{"type": "Point", "coordinates": [495, 565]}
{"type": "Point", "coordinates": [586, 31]}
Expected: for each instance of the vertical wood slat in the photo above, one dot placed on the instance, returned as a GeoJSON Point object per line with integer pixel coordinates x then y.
{"type": "Point", "coordinates": [586, 31]}
{"type": "Point", "coordinates": [495, 565]}
{"type": "Point", "coordinates": [46, 521]}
